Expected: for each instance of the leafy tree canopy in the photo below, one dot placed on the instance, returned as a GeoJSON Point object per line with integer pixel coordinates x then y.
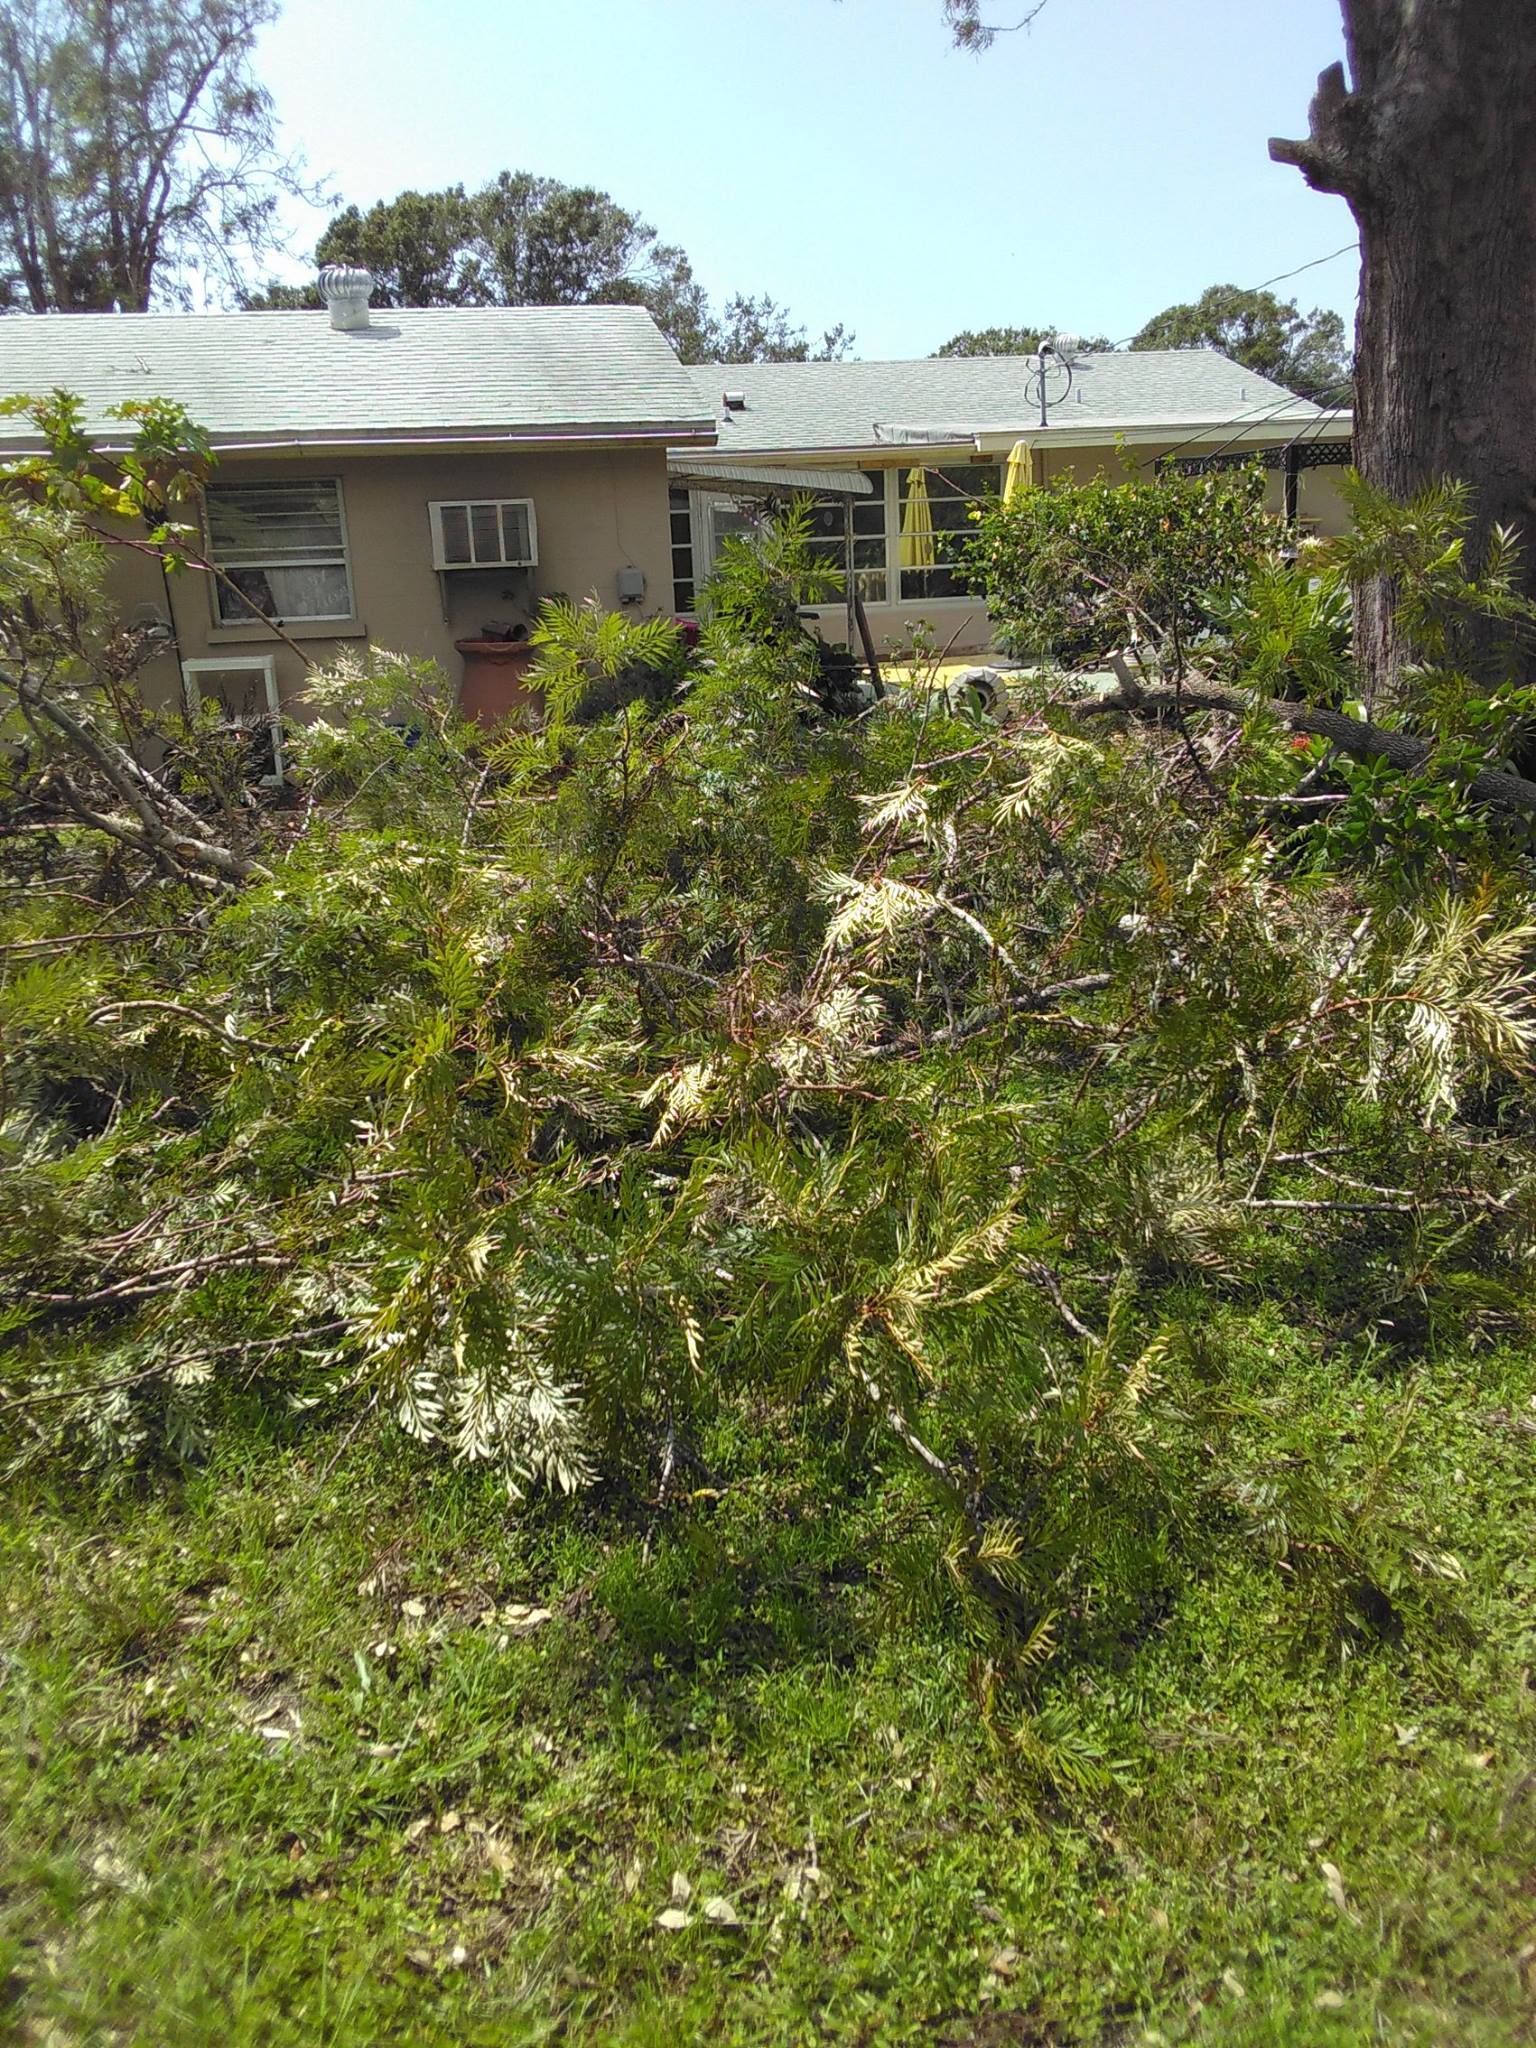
{"type": "Point", "coordinates": [1010, 341]}
{"type": "Point", "coordinates": [135, 144]}
{"type": "Point", "coordinates": [1304, 352]}
{"type": "Point", "coordinates": [523, 240]}
{"type": "Point", "coordinates": [761, 331]}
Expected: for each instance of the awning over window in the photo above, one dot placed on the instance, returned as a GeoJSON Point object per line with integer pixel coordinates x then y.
{"type": "Point", "coordinates": [766, 478]}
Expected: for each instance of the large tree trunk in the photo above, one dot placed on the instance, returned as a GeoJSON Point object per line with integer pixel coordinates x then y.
{"type": "Point", "coordinates": [1433, 142]}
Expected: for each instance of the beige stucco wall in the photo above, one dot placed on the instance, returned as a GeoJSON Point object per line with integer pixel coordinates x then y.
{"type": "Point", "coordinates": [598, 510]}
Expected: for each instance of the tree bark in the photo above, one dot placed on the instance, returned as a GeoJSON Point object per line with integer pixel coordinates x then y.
{"type": "Point", "coordinates": [1356, 737]}
{"type": "Point", "coordinates": [1432, 141]}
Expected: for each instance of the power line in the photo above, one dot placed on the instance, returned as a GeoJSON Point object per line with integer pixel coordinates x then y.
{"type": "Point", "coordinates": [1243, 421]}
{"type": "Point", "coordinates": [1316, 260]}
{"type": "Point", "coordinates": [1280, 277]}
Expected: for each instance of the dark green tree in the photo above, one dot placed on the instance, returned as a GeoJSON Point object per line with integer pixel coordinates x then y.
{"type": "Point", "coordinates": [135, 142]}
{"type": "Point", "coordinates": [1304, 352]}
{"type": "Point", "coordinates": [1009, 341]}
{"type": "Point", "coordinates": [420, 247]}
{"type": "Point", "coordinates": [519, 241]}
{"type": "Point", "coordinates": [761, 331]}
{"type": "Point", "coordinates": [528, 241]}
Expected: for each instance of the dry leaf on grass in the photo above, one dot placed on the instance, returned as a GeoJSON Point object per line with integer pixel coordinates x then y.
{"type": "Point", "coordinates": [1333, 1879]}
{"type": "Point", "coordinates": [522, 1618]}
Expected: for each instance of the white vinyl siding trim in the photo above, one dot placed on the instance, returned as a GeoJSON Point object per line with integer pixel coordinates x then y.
{"type": "Point", "coordinates": [283, 545]}
{"type": "Point", "coordinates": [484, 533]}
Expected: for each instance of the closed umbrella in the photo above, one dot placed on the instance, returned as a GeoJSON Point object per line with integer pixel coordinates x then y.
{"type": "Point", "coordinates": [917, 549]}
{"type": "Point", "coordinates": [1017, 475]}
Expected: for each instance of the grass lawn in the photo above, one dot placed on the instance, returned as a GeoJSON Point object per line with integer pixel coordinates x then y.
{"type": "Point", "coordinates": [322, 1744]}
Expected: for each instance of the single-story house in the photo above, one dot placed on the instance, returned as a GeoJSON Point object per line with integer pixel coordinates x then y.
{"type": "Point", "coordinates": [869, 438]}
{"type": "Point", "coordinates": [423, 479]}
{"type": "Point", "coordinates": [415, 479]}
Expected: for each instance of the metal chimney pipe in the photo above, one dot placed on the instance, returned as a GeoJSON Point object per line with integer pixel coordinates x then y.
{"type": "Point", "coordinates": [346, 292]}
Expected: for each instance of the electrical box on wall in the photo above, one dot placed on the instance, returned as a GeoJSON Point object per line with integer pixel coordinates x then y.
{"type": "Point", "coordinates": [631, 586]}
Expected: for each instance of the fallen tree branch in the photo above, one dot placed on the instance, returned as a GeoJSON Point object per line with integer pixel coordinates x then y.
{"type": "Point", "coordinates": [1048, 1284]}
{"type": "Point", "coordinates": [189, 1016]}
{"type": "Point", "coordinates": [179, 850]}
{"type": "Point", "coordinates": [1033, 1000]}
{"type": "Point", "coordinates": [166, 1279]}
{"type": "Point", "coordinates": [65, 942]}
{"type": "Point", "coordinates": [1353, 736]}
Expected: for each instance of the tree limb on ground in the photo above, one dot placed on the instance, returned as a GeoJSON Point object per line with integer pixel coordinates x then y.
{"type": "Point", "coordinates": [1032, 1001]}
{"type": "Point", "coordinates": [1353, 736]}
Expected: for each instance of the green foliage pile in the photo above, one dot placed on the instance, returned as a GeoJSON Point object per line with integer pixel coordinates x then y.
{"type": "Point", "coordinates": [920, 1081]}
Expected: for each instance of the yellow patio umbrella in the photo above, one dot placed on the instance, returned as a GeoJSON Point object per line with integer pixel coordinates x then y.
{"type": "Point", "coordinates": [917, 549]}
{"type": "Point", "coordinates": [1017, 475]}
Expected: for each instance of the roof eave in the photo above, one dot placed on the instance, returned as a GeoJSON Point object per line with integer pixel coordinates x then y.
{"type": "Point", "coordinates": [1266, 432]}
{"type": "Point", "coordinates": [1091, 434]}
{"type": "Point", "coordinates": [427, 440]}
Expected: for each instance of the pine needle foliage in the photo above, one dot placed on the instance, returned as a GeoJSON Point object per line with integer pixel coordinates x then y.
{"type": "Point", "coordinates": [954, 1085]}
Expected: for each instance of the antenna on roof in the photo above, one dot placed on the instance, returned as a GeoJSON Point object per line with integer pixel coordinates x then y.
{"type": "Point", "coordinates": [1050, 373]}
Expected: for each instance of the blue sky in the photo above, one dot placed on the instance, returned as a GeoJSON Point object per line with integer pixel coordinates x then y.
{"type": "Point", "coordinates": [840, 155]}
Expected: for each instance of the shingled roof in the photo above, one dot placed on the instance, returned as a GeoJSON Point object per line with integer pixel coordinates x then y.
{"type": "Point", "coordinates": [805, 407]}
{"type": "Point", "coordinates": [462, 375]}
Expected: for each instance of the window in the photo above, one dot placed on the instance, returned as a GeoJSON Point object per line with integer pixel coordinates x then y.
{"type": "Point", "coordinates": [484, 533]}
{"type": "Point", "coordinates": [244, 686]}
{"type": "Point", "coordinates": [953, 489]}
{"type": "Point", "coordinates": [283, 546]}
{"type": "Point", "coordinates": [729, 520]}
{"type": "Point", "coordinates": [681, 516]}
{"type": "Point", "coordinates": [829, 540]}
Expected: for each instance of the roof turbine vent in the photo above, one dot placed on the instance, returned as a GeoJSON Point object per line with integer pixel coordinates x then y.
{"type": "Point", "coordinates": [346, 292]}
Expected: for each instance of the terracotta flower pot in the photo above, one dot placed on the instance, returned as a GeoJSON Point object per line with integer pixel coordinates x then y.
{"type": "Point", "coordinates": [495, 685]}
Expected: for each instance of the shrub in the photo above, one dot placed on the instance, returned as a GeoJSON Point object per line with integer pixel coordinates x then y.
{"type": "Point", "coordinates": [1075, 571]}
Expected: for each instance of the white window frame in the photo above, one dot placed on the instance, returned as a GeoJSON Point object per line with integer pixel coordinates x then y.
{"type": "Point", "coordinates": [343, 561]}
{"type": "Point", "coordinates": [727, 508]}
{"type": "Point", "coordinates": [436, 507]}
{"type": "Point", "coordinates": [705, 550]}
{"type": "Point", "coordinates": [887, 492]}
{"type": "Point", "coordinates": [264, 665]}
{"type": "Point", "coordinates": [971, 599]}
